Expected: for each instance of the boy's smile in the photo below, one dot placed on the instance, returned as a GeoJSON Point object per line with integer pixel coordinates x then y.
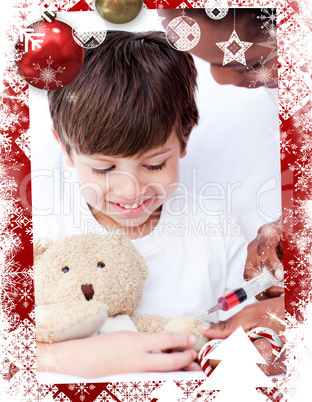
{"type": "Point", "coordinates": [132, 209]}
{"type": "Point", "coordinates": [128, 192]}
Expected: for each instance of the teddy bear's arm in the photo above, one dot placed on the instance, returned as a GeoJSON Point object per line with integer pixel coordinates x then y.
{"type": "Point", "coordinates": [157, 323]}
{"type": "Point", "coordinates": [69, 320]}
{"type": "Point", "coordinates": [150, 322]}
{"type": "Point", "coordinates": [188, 324]}
{"type": "Point", "coordinates": [121, 322]}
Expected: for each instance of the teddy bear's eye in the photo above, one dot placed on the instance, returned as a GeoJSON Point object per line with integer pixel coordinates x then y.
{"type": "Point", "coordinates": [65, 270]}
{"type": "Point", "coordinates": [100, 265]}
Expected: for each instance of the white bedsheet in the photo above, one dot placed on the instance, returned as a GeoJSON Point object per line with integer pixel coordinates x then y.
{"type": "Point", "coordinates": [57, 378]}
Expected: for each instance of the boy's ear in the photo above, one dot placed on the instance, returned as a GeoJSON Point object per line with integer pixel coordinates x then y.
{"type": "Point", "coordinates": [55, 135]}
{"type": "Point", "coordinates": [183, 154]}
{"type": "Point", "coordinates": [68, 159]}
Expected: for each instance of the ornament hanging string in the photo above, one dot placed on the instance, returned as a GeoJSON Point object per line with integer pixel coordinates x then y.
{"type": "Point", "coordinates": [234, 48]}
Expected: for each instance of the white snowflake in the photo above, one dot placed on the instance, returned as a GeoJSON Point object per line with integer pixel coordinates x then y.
{"type": "Point", "coordinates": [20, 347]}
{"type": "Point", "coordinates": [306, 146]}
{"type": "Point", "coordinates": [304, 174]}
{"type": "Point", "coordinates": [305, 283]}
{"type": "Point", "coordinates": [250, 266]}
{"type": "Point", "coordinates": [268, 18]}
{"type": "Point", "coordinates": [10, 243]}
{"type": "Point", "coordinates": [49, 358]}
{"type": "Point", "coordinates": [48, 74]}
{"type": "Point", "coordinates": [82, 389]}
{"type": "Point", "coordinates": [7, 117]}
{"type": "Point", "coordinates": [304, 182]}
{"type": "Point", "coordinates": [286, 143]}
{"type": "Point", "coordinates": [274, 136]}
{"type": "Point", "coordinates": [23, 141]}
{"type": "Point", "coordinates": [40, 27]}
{"type": "Point", "coordinates": [263, 75]}
{"type": "Point", "coordinates": [298, 348]}
{"type": "Point", "coordinates": [5, 143]}
{"type": "Point", "coordinates": [264, 353]}
{"type": "Point", "coordinates": [262, 259]}
{"type": "Point", "coordinates": [8, 186]}
{"type": "Point", "coordinates": [72, 97]}
{"type": "Point", "coordinates": [22, 98]}
{"type": "Point", "coordinates": [273, 316]}
{"type": "Point", "coordinates": [271, 231]}
{"type": "Point", "coordinates": [11, 280]}
{"type": "Point", "coordinates": [300, 267]}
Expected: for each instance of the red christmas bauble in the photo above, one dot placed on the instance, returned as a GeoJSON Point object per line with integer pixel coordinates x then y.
{"type": "Point", "coordinates": [56, 62]}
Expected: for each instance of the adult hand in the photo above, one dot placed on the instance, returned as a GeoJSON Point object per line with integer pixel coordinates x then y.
{"type": "Point", "coordinates": [266, 250]}
{"type": "Point", "coordinates": [259, 314]}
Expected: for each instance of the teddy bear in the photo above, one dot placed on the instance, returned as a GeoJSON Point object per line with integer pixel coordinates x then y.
{"type": "Point", "coordinates": [91, 284]}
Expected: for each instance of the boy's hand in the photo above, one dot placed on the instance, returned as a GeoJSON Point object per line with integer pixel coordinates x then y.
{"type": "Point", "coordinates": [253, 316]}
{"type": "Point", "coordinates": [266, 249]}
{"type": "Point", "coordinates": [120, 352]}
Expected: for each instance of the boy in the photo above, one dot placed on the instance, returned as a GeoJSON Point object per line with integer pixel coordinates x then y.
{"type": "Point", "coordinates": [123, 135]}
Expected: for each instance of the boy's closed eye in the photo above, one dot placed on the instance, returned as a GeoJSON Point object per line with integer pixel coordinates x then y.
{"type": "Point", "coordinates": [157, 167]}
{"type": "Point", "coordinates": [149, 167]}
{"type": "Point", "coordinates": [103, 171]}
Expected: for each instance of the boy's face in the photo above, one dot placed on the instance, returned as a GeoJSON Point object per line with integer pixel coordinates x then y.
{"type": "Point", "coordinates": [129, 191]}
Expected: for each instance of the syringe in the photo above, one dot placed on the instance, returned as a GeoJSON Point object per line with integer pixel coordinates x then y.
{"type": "Point", "coordinates": [249, 289]}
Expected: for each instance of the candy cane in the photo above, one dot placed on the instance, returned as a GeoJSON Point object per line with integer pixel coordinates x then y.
{"type": "Point", "coordinates": [273, 393]}
{"type": "Point", "coordinates": [268, 334]}
{"type": "Point", "coordinates": [203, 355]}
{"type": "Point", "coordinates": [256, 333]}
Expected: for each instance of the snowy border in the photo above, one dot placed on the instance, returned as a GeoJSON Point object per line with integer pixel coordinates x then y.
{"type": "Point", "coordinates": [18, 354]}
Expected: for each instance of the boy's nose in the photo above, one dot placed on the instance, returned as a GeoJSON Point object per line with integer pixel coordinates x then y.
{"type": "Point", "coordinates": [126, 185]}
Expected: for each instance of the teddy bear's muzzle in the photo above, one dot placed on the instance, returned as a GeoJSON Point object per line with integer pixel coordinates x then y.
{"type": "Point", "coordinates": [88, 291]}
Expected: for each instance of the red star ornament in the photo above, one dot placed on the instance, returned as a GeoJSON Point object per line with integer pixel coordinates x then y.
{"type": "Point", "coordinates": [234, 49]}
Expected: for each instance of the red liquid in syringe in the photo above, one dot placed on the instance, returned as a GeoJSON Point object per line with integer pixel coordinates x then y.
{"type": "Point", "coordinates": [232, 299]}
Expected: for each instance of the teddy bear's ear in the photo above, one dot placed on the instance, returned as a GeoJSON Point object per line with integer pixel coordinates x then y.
{"type": "Point", "coordinates": [41, 245]}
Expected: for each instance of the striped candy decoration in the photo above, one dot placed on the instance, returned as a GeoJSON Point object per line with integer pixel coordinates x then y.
{"type": "Point", "coordinates": [203, 355]}
{"type": "Point", "coordinates": [254, 334]}
{"type": "Point", "coordinates": [268, 334]}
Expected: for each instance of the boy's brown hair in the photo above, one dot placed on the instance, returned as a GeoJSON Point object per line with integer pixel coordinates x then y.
{"type": "Point", "coordinates": [132, 91]}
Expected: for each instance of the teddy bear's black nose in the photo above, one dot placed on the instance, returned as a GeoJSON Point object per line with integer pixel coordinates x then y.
{"type": "Point", "coordinates": [88, 291]}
